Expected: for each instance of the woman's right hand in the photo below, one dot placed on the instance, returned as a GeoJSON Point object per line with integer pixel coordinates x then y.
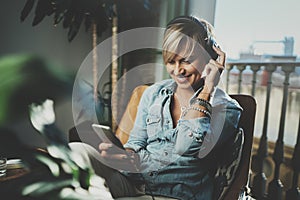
{"type": "Point", "coordinates": [118, 158]}
{"type": "Point", "coordinates": [214, 69]}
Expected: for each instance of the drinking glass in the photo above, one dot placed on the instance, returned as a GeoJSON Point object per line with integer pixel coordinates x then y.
{"type": "Point", "coordinates": [3, 166]}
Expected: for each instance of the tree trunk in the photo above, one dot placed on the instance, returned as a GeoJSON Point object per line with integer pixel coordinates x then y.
{"type": "Point", "coordinates": [114, 72]}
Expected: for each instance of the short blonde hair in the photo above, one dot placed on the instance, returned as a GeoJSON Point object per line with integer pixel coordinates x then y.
{"type": "Point", "coordinates": [184, 34]}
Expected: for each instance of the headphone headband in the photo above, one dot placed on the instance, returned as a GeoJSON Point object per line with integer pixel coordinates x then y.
{"type": "Point", "coordinates": [210, 41]}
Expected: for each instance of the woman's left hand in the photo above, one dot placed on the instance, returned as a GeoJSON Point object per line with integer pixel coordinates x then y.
{"type": "Point", "coordinates": [119, 158]}
{"type": "Point", "coordinates": [214, 68]}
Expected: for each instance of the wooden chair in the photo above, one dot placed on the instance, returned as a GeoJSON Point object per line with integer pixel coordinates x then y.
{"type": "Point", "coordinates": [247, 119]}
{"type": "Point", "coordinates": [239, 183]}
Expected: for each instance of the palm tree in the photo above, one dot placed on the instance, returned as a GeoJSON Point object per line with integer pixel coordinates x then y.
{"type": "Point", "coordinates": [97, 16]}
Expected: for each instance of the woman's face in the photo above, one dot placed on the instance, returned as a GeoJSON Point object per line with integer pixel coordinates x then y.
{"type": "Point", "coordinates": [187, 70]}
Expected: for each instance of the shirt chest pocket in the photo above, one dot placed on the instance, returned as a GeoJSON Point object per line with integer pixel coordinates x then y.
{"type": "Point", "coordinates": [153, 125]}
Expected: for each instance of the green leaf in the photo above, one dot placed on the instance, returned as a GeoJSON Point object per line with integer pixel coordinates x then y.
{"type": "Point", "coordinates": [26, 10]}
{"type": "Point", "coordinates": [75, 25]}
{"type": "Point", "coordinates": [43, 8]}
{"type": "Point", "coordinates": [58, 16]}
{"type": "Point", "coordinates": [54, 168]}
{"type": "Point", "coordinates": [61, 152]}
{"type": "Point", "coordinates": [68, 17]}
{"type": "Point", "coordinates": [41, 188]}
{"type": "Point", "coordinates": [84, 178]}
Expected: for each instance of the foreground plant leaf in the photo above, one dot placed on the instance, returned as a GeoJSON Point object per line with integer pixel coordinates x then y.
{"type": "Point", "coordinates": [27, 8]}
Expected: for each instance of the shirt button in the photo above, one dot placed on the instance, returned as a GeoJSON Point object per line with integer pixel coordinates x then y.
{"type": "Point", "coordinates": [166, 153]}
{"type": "Point", "coordinates": [198, 139]}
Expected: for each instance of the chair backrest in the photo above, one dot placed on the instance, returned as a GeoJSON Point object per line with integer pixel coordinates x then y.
{"type": "Point", "coordinates": [246, 122]}
{"type": "Point", "coordinates": [128, 118]}
{"type": "Point", "coordinates": [247, 119]}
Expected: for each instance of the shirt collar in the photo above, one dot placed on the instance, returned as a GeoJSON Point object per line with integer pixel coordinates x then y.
{"type": "Point", "coordinates": [217, 97]}
{"type": "Point", "coordinates": [169, 89]}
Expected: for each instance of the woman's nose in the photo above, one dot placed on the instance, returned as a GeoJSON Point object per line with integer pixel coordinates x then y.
{"type": "Point", "coordinates": [178, 70]}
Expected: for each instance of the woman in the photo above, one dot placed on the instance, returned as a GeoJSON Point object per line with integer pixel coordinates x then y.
{"type": "Point", "coordinates": [179, 122]}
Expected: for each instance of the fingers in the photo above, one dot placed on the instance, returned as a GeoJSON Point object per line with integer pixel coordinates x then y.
{"type": "Point", "coordinates": [220, 63]}
{"type": "Point", "coordinates": [215, 66]}
{"type": "Point", "coordinates": [119, 161]}
{"type": "Point", "coordinates": [106, 154]}
{"type": "Point", "coordinates": [117, 158]}
{"type": "Point", "coordinates": [214, 70]}
{"type": "Point", "coordinates": [103, 146]}
{"type": "Point", "coordinates": [222, 55]}
{"type": "Point", "coordinates": [110, 151]}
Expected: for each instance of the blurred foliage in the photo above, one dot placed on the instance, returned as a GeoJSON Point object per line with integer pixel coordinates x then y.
{"type": "Point", "coordinates": [72, 13]}
{"type": "Point", "coordinates": [26, 79]}
{"type": "Point", "coordinates": [70, 176]}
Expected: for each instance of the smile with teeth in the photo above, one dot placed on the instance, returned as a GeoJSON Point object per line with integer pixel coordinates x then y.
{"type": "Point", "coordinates": [182, 79]}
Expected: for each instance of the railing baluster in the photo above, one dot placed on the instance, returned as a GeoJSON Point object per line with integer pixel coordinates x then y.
{"type": "Point", "coordinates": [228, 68]}
{"type": "Point", "coordinates": [293, 192]}
{"type": "Point", "coordinates": [260, 180]}
{"type": "Point", "coordinates": [275, 189]}
{"type": "Point", "coordinates": [241, 68]}
{"type": "Point", "coordinates": [254, 68]}
{"type": "Point", "coordinates": [258, 185]}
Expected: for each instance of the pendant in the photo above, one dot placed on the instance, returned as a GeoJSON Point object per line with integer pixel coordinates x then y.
{"type": "Point", "coordinates": [182, 108]}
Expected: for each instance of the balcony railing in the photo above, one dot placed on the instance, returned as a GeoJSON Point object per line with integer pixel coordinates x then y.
{"type": "Point", "coordinates": [257, 75]}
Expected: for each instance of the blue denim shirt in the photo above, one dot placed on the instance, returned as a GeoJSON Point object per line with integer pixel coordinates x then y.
{"type": "Point", "coordinates": [174, 160]}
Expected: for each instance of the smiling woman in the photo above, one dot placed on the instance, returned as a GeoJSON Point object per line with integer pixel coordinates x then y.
{"type": "Point", "coordinates": [180, 124]}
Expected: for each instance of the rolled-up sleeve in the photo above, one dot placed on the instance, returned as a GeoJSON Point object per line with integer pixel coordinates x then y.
{"type": "Point", "coordinates": [197, 137]}
{"type": "Point", "coordinates": [191, 134]}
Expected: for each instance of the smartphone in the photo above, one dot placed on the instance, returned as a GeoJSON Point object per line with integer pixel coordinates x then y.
{"type": "Point", "coordinates": [106, 135]}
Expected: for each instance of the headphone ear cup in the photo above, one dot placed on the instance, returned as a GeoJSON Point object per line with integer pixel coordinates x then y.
{"type": "Point", "coordinates": [210, 50]}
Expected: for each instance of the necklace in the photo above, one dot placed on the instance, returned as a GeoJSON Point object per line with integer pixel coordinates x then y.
{"type": "Point", "coordinates": [183, 107]}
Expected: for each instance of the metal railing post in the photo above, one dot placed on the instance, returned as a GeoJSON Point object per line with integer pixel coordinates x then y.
{"type": "Point", "coordinates": [275, 189]}
{"type": "Point", "coordinates": [260, 180]}
{"type": "Point", "coordinates": [255, 69]}
{"type": "Point", "coordinates": [293, 192]}
{"type": "Point", "coordinates": [241, 68]}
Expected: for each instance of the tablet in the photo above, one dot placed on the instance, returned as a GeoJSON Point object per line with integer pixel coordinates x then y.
{"type": "Point", "coordinates": [106, 135]}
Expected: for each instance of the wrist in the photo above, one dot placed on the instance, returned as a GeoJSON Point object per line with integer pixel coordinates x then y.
{"type": "Point", "coordinates": [130, 150]}
{"type": "Point", "coordinates": [206, 92]}
{"type": "Point", "coordinates": [202, 104]}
